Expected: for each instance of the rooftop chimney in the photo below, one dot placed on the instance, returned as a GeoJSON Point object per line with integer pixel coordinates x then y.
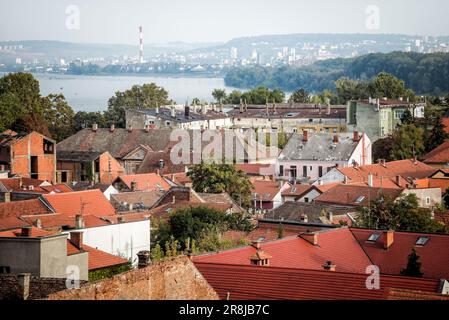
{"type": "Point", "coordinates": [370, 180]}
{"type": "Point", "coordinates": [256, 244]}
{"type": "Point", "coordinates": [130, 128]}
{"type": "Point", "coordinates": [305, 135]}
{"type": "Point", "coordinates": [112, 128]}
{"type": "Point", "coordinates": [147, 128]}
{"type": "Point", "coordinates": [37, 223]}
{"type": "Point", "coordinates": [335, 140]}
{"type": "Point", "coordinates": [186, 111]}
{"type": "Point", "coordinates": [23, 280]}
{"type": "Point", "coordinates": [172, 112]}
{"type": "Point", "coordinates": [329, 266]}
{"type": "Point", "coordinates": [26, 231]}
{"type": "Point", "coordinates": [133, 185]}
{"type": "Point", "coordinates": [328, 109]}
{"type": "Point", "coordinates": [120, 219]}
{"type": "Point", "coordinates": [241, 106]}
{"type": "Point", "coordinates": [356, 136]}
{"type": "Point", "coordinates": [76, 238]}
{"type": "Point", "coordinates": [387, 239]}
{"type": "Point", "coordinates": [203, 109]}
{"type": "Point", "coordinates": [94, 127]}
{"type": "Point", "coordinates": [157, 109]}
{"type": "Point", "coordinates": [311, 237]}
{"type": "Point", "coordinates": [144, 258]}
{"type": "Point", "coordinates": [161, 163]}
{"type": "Point", "coordinates": [79, 222]}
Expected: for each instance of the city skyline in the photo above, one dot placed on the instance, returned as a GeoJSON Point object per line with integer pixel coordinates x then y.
{"type": "Point", "coordinates": [201, 21]}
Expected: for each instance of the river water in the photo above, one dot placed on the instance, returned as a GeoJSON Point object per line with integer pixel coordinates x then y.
{"type": "Point", "coordinates": [91, 93]}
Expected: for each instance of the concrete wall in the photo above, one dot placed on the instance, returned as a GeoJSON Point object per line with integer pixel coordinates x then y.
{"type": "Point", "coordinates": [22, 255]}
{"type": "Point", "coordinates": [427, 198]}
{"type": "Point", "coordinates": [123, 239]}
{"type": "Point", "coordinates": [172, 279]}
{"type": "Point", "coordinates": [81, 263]}
{"type": "Point", "coordinates": [312, 167]}
{"type": "Point", "coordinates": [53, 261]}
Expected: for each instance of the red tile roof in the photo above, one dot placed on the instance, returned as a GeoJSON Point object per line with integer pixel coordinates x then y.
{"type": "Point", "coordinates": [89, 202]}
{"type": "Point", "coordinates": [445, 122]}
{"type": "Point", "coordinates": [355, 195]}
{"type": "Point", "coordinates": [51, 221]}
{"type": "Point", "coordinates": [256, 169]}
{"type": "Point", "coordinates": [35, 233]}
{"type": "Point", "coordinates": [298, 190]}
{"type": "Point", "coordinates": [267, 189]}
{"type": "Point", "coordinates": [403, 294]}
{"type": "Point", "coordinates": [404, 168]}
{"type": "Point", "coordinates": [438, 155]}
{"type": "Point", "coordinates": [179, 178]}
{"type": "Point", "coordinates": [145, 182]}
{"type": "Point", "coordinates": [97, 259]}
{"type": "Point", "coordinates": [238, 282]}
{"type": "Point", "coordinates": [23, 207]}
{"type": "Point", "coordinates": [434, 255]}
{"type": "Point", "coordinates": [337, 245]}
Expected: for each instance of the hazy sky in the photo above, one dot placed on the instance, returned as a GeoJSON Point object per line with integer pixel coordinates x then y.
{"type": "Point", "coordinates": [116, 21]}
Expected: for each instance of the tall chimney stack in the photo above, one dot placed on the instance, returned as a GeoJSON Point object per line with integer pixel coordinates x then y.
{"type": "Point", "coordinates": [76, 238]}
{"type": "Point", "coordinates": [305, 135]}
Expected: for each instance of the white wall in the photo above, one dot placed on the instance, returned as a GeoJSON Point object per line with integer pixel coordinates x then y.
{"type": "Point", "coordinates": [122, 239]}
{"type": "Point", "coordinates": [110, 190]}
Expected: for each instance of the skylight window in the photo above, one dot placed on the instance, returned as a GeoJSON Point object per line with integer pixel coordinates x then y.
{"type": "Point", "coordinates": [360, 199]}
{"type": "Point", "coordinates": [374, 237]}
{"type": "Point", "coordinates": [293, 190]}
{"type": "Point", "coordinates": [422, 241]}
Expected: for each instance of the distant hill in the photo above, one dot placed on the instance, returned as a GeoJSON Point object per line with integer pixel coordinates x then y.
{"type": "Point", "coordinates": [424, 73]}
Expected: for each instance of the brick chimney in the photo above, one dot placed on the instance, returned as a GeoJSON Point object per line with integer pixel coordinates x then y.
{"type": "Point", "coordinates": [356, 136]}
{"type": "Point", "coordinates": [305, 136]}
{"type": "Point", "coordinates": [186, 111]}
{"type": "Point", "coordinates": [256, 244]}
{"type": "Point", "coordinates": [76, 238]}
{"type": "Point", "coordinates": [144, 258]}
{"type": "Point", "coordinates": [329, 266]}
{"type": "Point", "coordinates": [311, 237]}
{"type": "Point", "coordinates": [26, 231]}
{"type": "Point", "coordinates": [335, 140]}
{"type": "Point", "coordinates": [79, 222]}
{"type": "Point", "coordinates": [387, 239]}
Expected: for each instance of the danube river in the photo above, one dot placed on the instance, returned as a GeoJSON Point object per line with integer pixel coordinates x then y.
{"type": "Point", "coordinates": [91, 93]}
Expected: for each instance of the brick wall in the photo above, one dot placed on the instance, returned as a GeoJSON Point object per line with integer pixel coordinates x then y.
{"type": "Point", "coordinates": [39, 288]}
{"type": "Point", "coordinates": [172, 279]}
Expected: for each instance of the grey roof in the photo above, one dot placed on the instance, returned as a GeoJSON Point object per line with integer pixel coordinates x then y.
{"type": "Point", "coordinates": [319, 147]}
{"type": "Point", "coordinates": [165, 114]}
{"type": "Point", "coordinates": [118, 142]}
{"type": "Point", "coordinates": [316, 213]}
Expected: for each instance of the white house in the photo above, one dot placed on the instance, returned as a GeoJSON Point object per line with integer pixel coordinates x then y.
{"type": "Point", "coordinates": [309, 156]}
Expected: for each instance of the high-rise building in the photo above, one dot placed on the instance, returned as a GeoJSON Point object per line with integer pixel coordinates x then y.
{"type": "Point", "coordinates": [233, 53]}
{"type": "Point", "coordinates": [141, 44]}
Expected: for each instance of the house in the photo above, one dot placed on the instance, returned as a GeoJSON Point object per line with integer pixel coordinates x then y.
{"type": "Point", "coordinates": [11, 212]}
{"type": "Point", "coordinates": [127, 146]}
{"type": "Point", "coordinates": [301, 193]}
{"type": "Point", "coordinates": [438, 157]}
{"type": "Point", "coordinates": [92, 166]}
{"type": "Point", "coordinates": [15, 189]}
{"type": "Point", "coordinates": [141, 182]}
{"type": "Point", "coordinates": [289, 118]}
{"type": "Point", "coordinates": [312, 213]}
{"type": "Point", "coordinates": [49, 255]}
{"type": "Point", "coordinates": [307, 157]}
{"type": "Point", "coordinates": [249, 282]}
{"type": "Point", "coordinates": [137, 200]}
{"type": "Point", "coordinates": [29, 155]}
{"type": "Point", "coordinates": [379, 117]}
{"type": "Point", "coordinates": [380, 174]}
{"type": "Point", "coordinates": [267, 194]}
{"type": "Point", "coordinates": [106, 189]}
{"type": "Point", "coordinates": [179, 117]}
{"type": "Point", "coordinates": [89, 202]}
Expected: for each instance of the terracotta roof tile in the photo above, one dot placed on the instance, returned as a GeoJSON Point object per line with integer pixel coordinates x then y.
{"type": "Point", "coordinates": [145, 182]}
{"type": "Point", "coordinates": [438, 155]}
{"type": "Point", "coordinates": [267, 189]}
{"type": "Point", "coordinates": [35, 233]}
{"type": "Point", "coordinates": [23, 207]}
{"type": "Point", "coordinates": [238, 282]}
{"type": "Point", "coordinates": [89, 202]}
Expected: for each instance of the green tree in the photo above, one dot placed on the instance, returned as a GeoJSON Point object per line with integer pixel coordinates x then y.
{"type": "Point", "coordinates": [413, 268]}
{"type": "Point", "coordinates": [403, 214]}
{"type": "Point", "coordinates": [408, 142]}
{"type": "Point", "coordinates": [349, 89]}
{"type": "Point", "coordinates": [219, 95]}
{"type": "Point", "coordinates": [386, 85]}
{"type": "Point", "coordinates": [218, 178]}
{"type": "Point", "coordinates": [436, 136]}
{"type": "Point", "coordinates": [156, 253]}
{"type": "Point", "coordinates": [138, 97]}
{"type": "Point", "coordinates": [382, 149]}
{"type": "Point", "coordinates": [300, 96]}
{"type": "Point", "coordinates": [59, 116]}
{"type": "Point", "coordinates": [85, 119]}
{"type": "Point", "coordinates": [195, 102]}
{"type": "Point", "coordinates": [407, 117]}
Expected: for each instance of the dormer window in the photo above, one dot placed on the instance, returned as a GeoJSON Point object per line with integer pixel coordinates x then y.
{"type": "Point", "coordinates": [373, 237]}
{"type": "Point", "coordinates": [422, 241]}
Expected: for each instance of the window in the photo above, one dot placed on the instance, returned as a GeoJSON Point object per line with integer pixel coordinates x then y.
{"type": "Point", "coordinates": [427, 200]}
{"type": "Point", "coordinates": [320, 171]}
{"type": "Point", "coordinates": [310, 168]}
{"type": "Point", "coordinates": [334, 130]}
{"type": "Point", "coordinates": [304, 171]}
{"type": "Point", "coordinates": [422, 241]}
{"type": "Point", "coordinates": [64, 176]}
{"type": "Point", "coordinates": [293, 171]}
{"type": "Point", "coordinates": [5, 269]}
{"type": "Point", "coordinates": [306, 199]}
{"type": "Point", "coordinates": [360, 199]}
{"type": "Point", "coordinates": [281, 170]}
{"type": "Point", "coordinates": [293, 190]}
{"type": "Point", "coordinates": [398, 114]}
{"type": "Point", "coordinates": [373, 237]}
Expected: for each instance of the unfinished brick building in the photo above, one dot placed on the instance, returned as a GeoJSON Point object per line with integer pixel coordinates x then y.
{"type": "Point", "coordinates": [29, 155]}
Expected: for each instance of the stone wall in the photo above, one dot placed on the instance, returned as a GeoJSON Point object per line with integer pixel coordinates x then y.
{"type": "Point", "coordinates": [12, 287]}
{"type": "Point", "coordinates": [172, 279]}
